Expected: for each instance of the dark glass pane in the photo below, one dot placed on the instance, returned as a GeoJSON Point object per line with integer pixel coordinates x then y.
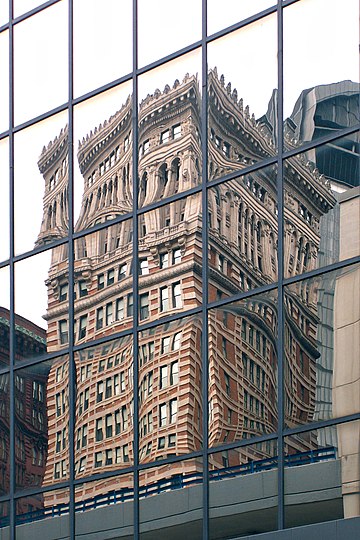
{"type": "Point", "coordinates": [4, 200]}
{"type": "Point", "coordinates": [322, 206]}
{"type": "Point", "coordinates": [243, 233]}
{"type": "Point", "coordinates": [4, 439]}
{"type": "Point", "coordinates": [104, 407]}
{"type": "Point", "coordinates": [243, 493]}
{"type": "Point", "coordinates": [169, 129]}
{"type": "Point", "coordinates": [41, 424]}
{"type": "Point", "coordinates": [171, 501]}
{"type": "Point", "coordinates": [321, 72]}
{"type": "Point", "coordinates": [322, 475]}
{"type": "Point", "coordinates": [242, 110]}
{"type": "Point", "coordinates": [321, 333]}
{"type": "Point", "coordinates": [33, 515]}
{"type": "Point", "coordinates": [48, 88]}
{"type": "Point", "coordinates": [103, 160]}
{"type": "Point", "coordinates": [170, 394]}
{"type": "Point", "coordinates": [4, 317]}
{"type": "Point", "coordinates": [243, 369]}
{"type": "Point", "coordinates": [105, 508]}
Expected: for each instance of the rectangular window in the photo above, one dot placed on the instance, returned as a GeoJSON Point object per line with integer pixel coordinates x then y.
{"type": "Point", "coordinates": [164, 137]}
{"type": "Point", "coordinates": [122, 271]}
{"type": "Point", "coordinates": [173, 411]}
{"type": "Point", "coordinates": [146, 146]}
{"type": "Point", "coordinates": [165, 345]}
{"type": "Point", "coordinates": [176, 295]}
{"type": "Point", "coordinates": [164, 260]}
{"type": "Point", "coordinates": [130, 305]}
{"type": "Point", "coordinates": [101, 281]}
{"type": "Point", "coordinates": [144, 306]}
{"type": "Point", "coordinates": [99, 391]}
{"type": "Point", "coordinates": [144, 267]}
{"type": "Point", "coordinates": [108, 388]}
{"type": "Point", "coordinates": [176, 131]}
{"type": "Point", "coordinates": [111, 276]}
{"type": "Point", "coordinates": [109, 425]}
{"type": "Point", "coordinates": [119, 309]}
{"type": "Point", "coordinates": [176, 256]}
{"type": "Point", "coordinates": [63, 332]}
{"type": "Point", "coordinates": [63, 294]}
{"type": "Point", "coordinates": [82, 326]}
{"type": "Point", "coordinates": [162, 415]}
{"type": "Point", "coordinates": [99, 318]}
{"type": "Point", "coordinates": [163, 376]}
{"type": "Point", "coordinates": [109, 314]}
{"type": "Point", "coordinates": [126, 453]}
{"type": "Point", "coordinates": [164, 299]}
{"type": "Point", "coordinates": [99, 430]}
{"type": "Point", "coordinates": [98, 459]}
{"type": "Point", "coordinates": [174, 373]}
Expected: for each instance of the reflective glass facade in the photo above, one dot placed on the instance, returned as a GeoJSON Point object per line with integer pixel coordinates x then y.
{"type": "Point", "coordinates": [179, 267]}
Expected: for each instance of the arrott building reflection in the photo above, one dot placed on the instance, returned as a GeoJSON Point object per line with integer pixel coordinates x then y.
{"type": "Point", "coordinates": [243, 237]}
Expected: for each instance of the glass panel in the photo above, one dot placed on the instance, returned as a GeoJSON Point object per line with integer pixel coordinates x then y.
{"type": "Point", "coordinates": [4, 13]}
{"type": "Point", "coordinates": [170, 394]}
{"type": "Point", "coordinates": [322, 474]}
{"type": "Point", "coordinates": [170, 258]}
{"type": "Point", "coordinates": [5, 518]}
{"type": "Point", "coordinates": [4, 87]}
{"type": "Point", "coordinates": [41, 424]}
{"type": "Point", "coordinates": [169, 129]}
{"type": "Point", "coordinates": [4, 199]}
{"type": "Point", "coordinates": [103, 282]}
{"type": "Point", "coordinates": [37, 288]}
{"type": "Point", "coordinates": [321, 74]}
{"type": "Point", "coordinates": [321, 334]}
{"type": "Point", "coordinates": [33, 513]}
{"type": "Point", "coordinates": [166, 32]}
{"type": "Point", "coordinates": [23, 6]}
{"type": "Point", "coordinates": [104, 407]}
{"type": "Point", "coordinates": [103, 161]}
{"type": "Point", "coordinates": [243, 369]}
{"type": "Point", "coordinates": [4, 317]}
{"type": "Point", "coordinates": [4, 438]}
{"type": "Point", "coordinates": [96, 28]}
{"type": "Point", "coordinates": [322, 206]}
{"type": "Point", "coordinates": [243, 490]}
{"type": "Point", "coordinates": [231, 11]}
{"type": "Point", "coordinates": [39, 42]}
{"type": "Point", "coordinates": [171, 500]}
{"type": "Point", "coordinates": [41, 183]}
{"type": "Point", "coordinates": [242, 110]}
{"type": "Point", "coordinates": [243, 233]}
{"type": "Point", "coordinates": [105, 508]}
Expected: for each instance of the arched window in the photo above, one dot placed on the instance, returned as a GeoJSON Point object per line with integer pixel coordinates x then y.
{"type": "Point", "coordinates": [175, 175]}
{"type": "Point", "coordinates": [143, 188]}
{"type": "Point", "coordinates": [163, 179]}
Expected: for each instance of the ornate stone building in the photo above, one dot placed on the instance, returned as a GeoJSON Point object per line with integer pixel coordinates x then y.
{"type": "Point", "coordinates": [243, 235]}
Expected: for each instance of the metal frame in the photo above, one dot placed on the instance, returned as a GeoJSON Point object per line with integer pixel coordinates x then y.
{"type": "Point", "coordinates": [202, 311]}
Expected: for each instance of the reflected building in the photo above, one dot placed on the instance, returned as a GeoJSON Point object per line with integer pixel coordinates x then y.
{"type": "Point", "coordinates": [242, 256]}
{"type": "Point", "coordinates": [31, 429]}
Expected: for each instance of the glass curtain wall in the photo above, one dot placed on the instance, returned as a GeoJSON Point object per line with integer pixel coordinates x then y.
{"type": "Point", "coordinates": [179, 267]}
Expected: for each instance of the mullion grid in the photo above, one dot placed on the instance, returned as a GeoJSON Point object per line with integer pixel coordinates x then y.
{"type": "Point", "coordinates": [206, 305]}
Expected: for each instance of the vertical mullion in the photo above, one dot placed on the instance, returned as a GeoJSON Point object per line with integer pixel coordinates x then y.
{"type": "Point", "coordinates": [72, 368]}
{"type": "Point", "coordinates": [135, 273]}
{"type": "Point", "coordinates": [205, 299]}
{"type": "Point", "coordinates": [280, 339]}
{"type": "Point", "coordinates": [12, 508]}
